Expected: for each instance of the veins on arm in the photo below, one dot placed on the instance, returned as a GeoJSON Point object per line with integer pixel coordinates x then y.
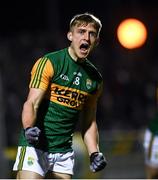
{"type": "Point", "coordinates": [30, 107]}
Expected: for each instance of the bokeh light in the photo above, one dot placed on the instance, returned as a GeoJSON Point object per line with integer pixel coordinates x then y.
{"type": "Point", "coordinates": [131, 33]}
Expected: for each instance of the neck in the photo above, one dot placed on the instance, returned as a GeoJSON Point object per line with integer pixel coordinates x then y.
{"type": "Point", "coordinates": [71, 53]}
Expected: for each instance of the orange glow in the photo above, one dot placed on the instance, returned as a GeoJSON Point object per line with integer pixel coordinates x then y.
{"type": "Point", "coordinates": [131, 33]}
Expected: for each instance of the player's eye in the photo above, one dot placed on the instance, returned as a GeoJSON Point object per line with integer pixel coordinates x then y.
{"type": "Point", "coordinates": [81, 31]}
{"type": "Point", "coordinates": [93, 34]}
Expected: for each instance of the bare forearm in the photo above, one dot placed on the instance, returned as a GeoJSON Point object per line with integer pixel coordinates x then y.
{"type": "Point", "coordinates": [28, 115]}
{"type": "Point", "coordinates": [91, 138]}
{"type": "Point", "coordinates": [31, 106]}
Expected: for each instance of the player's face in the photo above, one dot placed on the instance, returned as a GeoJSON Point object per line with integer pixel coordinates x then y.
{"type": "Point", "coordinates": [83, 39]}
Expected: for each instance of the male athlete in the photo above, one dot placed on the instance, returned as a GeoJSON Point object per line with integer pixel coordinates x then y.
{"type": "Point", "coordinates": [63, 84]}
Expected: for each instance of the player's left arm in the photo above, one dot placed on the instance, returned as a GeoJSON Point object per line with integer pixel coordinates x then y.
{"type": "Point", "coordinates": [89, 126]}
{"type": "Point", "coordinates": [90, 133]}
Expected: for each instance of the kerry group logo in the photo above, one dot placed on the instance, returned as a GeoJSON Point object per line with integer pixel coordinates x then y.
{"type": "Point", "coordinates": [69, 97]}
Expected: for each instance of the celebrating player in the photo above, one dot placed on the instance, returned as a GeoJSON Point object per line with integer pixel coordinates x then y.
{"type": "Point", "coordinates": [63, 85]}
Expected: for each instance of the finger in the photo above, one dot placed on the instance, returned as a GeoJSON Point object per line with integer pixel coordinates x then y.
{"type": "Point", "coordinates": [32, 134]}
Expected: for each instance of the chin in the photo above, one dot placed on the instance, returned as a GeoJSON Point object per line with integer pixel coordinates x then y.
{"type": "Point", "coordinates": [83, 56]}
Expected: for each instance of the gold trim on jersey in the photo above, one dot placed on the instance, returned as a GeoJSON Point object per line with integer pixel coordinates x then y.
{"type": "Point", "coordinates": [35, 82]}
{"type": "Point", "coordinates": [69, 97]}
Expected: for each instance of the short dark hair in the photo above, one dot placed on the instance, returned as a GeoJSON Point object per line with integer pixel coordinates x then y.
{"type": "Point", "coordinates": [86, 18]}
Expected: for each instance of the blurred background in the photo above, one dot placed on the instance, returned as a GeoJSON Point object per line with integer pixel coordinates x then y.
{"type": "Point", "coordinates": [30, 29]}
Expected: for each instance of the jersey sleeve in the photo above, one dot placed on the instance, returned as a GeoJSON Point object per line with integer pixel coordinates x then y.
{"type": "Point", "coordinates": [41, 74]}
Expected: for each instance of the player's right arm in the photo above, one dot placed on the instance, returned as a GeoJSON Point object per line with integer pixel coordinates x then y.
{"type": "Point", "coordinates": [41, 74]}
{"type": "Point", "coordinates": [30, 107]}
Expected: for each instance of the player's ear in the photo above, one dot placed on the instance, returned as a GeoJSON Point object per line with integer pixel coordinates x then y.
{"type": "Point", "coordinates": [69, 36]}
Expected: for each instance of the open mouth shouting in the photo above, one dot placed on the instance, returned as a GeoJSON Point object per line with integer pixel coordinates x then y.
{"type": "Point", "coordinates": [84, 48]}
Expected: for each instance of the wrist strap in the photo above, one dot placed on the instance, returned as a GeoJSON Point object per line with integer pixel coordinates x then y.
{"type": "Point", "coordinates": [25, 129]}
{"type": "Point", "coordinates": [94, 153]}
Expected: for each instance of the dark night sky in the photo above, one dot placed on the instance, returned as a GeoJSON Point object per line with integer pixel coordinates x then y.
{"type": "Point", "coordinates": [30, 15]}
{"type": "Point", "coordinates": [49, 15]}
{"type": "Point", "coordinates": [45, 15]}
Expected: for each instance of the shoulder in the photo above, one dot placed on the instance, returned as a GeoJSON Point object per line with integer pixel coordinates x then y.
{"type": "Point", "coordinates": [56, 54]}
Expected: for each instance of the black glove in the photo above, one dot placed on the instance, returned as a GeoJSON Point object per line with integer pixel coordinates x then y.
{"type": "Point", "coordinates": [97, 161]}
{"type": "Point", "coordinates": [32, 134]}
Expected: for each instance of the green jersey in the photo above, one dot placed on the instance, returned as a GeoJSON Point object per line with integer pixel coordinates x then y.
{"type": "Point", "coordinates": [67, 91]}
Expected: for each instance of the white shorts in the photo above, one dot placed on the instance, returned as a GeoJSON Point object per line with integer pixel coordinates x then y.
{"type": "Point", "coordinates": [151, 149]}
{"type": "Point", "coordinates": [35, 160]}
